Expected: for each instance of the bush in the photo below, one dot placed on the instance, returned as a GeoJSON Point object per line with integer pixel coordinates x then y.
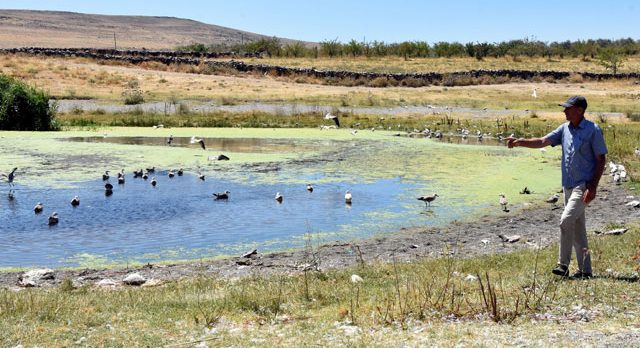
{"type": "Point", "coordinates": [23, 107]}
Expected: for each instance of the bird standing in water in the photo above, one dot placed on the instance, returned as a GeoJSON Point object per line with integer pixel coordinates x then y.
{"type": "Point", "coordinates": [38, 208]}
{"type": "Point", "coordinates": [75, 201]}
{"type": "Point", "coordinates": [279, 197]}
{"type": "Point", "coordinates": [309, 188]}
{"type": "Point", "coordinates": [53, 219]}
{"type": "Point", "coordinates": [348, 197]}
{"type": "Point", "coordinates": [428, 199]}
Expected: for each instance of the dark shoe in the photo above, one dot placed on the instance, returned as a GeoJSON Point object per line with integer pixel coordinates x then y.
{"type": "Point", "coordinates": [582, 275]}
{"type": "Point", "coordinates": [561, 270]}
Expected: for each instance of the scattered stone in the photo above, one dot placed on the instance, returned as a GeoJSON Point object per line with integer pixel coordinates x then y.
{"type": "Point", "coordinates": [106, 283]}
{"type": "Point", "coordinates": [152, 282]}
{"type": "Point", "coordinates": [134, 279]}
{"type": "Point", "coordinates": [35, 277]}
{"type": "Point", "coordinates": [243, 262]}
{"type": "Point", "coordinates": [470, 278]}
{"type": "Point", "coordinates": [634, 203]}
{"type": "Point", "coordinates": [616, 231]}
{"type": "Point", "coordinates": [509, 239]}
{"type": "Point", "coordinates": [253, 253]}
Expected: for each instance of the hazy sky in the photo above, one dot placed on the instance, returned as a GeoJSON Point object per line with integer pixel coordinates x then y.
{"type": "Point", "coordinates": [389, 21]}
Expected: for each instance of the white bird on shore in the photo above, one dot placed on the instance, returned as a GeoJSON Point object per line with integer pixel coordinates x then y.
{"type": "Point", "coordinates": [637, 151]}
{"type": "Point", "coordinates": [534, 93]}
{"type": "Point", "coordinates": [553, 199]}
{"type": "Point", "coordinates": [503, 202]}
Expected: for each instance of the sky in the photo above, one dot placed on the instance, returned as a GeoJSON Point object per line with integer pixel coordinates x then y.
{"type": "Point", "coordinates": [389, 21]}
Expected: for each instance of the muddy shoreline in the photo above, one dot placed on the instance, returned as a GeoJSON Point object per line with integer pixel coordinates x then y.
{"type": "Point", "coordinates": [535, 226]}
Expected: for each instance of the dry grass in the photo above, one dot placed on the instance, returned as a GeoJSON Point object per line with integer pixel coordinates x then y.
{"type": "Point", "coordinates": [399, 65]}
{"type": "Point", "coordinates": [74, 77]}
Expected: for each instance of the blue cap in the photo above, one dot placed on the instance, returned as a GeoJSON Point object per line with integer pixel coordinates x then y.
{"type": "Point", "coordinates": [576, 100]}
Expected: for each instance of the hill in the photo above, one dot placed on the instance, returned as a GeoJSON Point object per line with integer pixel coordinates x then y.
{"type": "Point", "coordinates": [27, 28]}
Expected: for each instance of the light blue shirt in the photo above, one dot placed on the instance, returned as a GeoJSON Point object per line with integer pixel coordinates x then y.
{"type": "Point", "coordinates": [580, 146]}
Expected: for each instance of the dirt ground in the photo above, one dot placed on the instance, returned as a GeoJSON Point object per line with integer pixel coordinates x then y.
{"type": "Point", "coordinates": [536, 226]}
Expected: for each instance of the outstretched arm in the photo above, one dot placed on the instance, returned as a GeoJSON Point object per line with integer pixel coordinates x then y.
{"type": "Point", "coordinates": [532, 143]}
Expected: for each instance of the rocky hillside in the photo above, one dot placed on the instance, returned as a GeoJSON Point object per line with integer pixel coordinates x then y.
{"type": "Point", "coordinates": [24, 28]}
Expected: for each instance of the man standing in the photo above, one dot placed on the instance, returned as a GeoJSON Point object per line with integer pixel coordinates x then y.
{"type": "Point", "coordinates": [583, 160]}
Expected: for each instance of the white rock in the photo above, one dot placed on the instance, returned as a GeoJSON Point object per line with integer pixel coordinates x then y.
{"type": "Point", "coordinates": [35, 276]}
{"type": "Point", "coordinates": [471, 277]}
{"type": "Point", "coordinates": [356, 278]}
{"type": "Point", "coordinates": [134, 279]}
{"type": "Point", "coordinates": [106, 283]}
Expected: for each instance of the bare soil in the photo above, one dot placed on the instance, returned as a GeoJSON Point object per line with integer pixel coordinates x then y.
{"type": "Point", "coordinates": [536, 226]}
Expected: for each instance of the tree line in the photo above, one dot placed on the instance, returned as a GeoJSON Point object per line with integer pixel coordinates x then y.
{"type": "Point", "coordinates": [585, 49]}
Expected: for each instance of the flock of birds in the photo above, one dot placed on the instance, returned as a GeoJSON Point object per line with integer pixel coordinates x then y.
{"type": "Point", "coordinates": [145, 175]}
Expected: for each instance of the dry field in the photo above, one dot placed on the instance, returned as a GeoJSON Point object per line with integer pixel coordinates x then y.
{"type": "Point", "coordinates": [393, 64]}
{"type": "Point", "coordinates": [82, 78]}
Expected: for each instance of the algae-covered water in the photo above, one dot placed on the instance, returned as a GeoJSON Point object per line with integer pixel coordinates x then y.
{"type": "Point", "coordinates": [180, 220]}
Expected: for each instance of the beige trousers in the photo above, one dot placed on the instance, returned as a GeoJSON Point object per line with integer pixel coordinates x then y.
{"type": "Point", "coordinates": [573, 230]}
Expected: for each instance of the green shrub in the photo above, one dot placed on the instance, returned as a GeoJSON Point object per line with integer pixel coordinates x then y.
{"type": "Point", "coordinates": [23, 107]}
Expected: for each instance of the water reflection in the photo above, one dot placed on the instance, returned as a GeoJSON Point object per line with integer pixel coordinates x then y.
{"type": "Point", "coordinates": [243, 145]}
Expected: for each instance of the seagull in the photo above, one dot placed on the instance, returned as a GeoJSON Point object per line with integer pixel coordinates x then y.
{"type": "Point", "coordinates": [335, 119]}
{"type": "Point", "coordinates": [53, 218]}
{"type": "Point", "coordinates": [170, 139]}
{"type": "Point", "coordinates": [105, 176]}
{"type": "Point", "coordinates": [198, 140]}
{"type": "Point", "coordinates": [38, 208]}
{"type": "Point", "coordinates": [222, 195]}
{"type": "Point", "coordinates": [553, 199]}
{"type": "Point", "coordinates": [534, 93]}
{"type": "Point", "coordinates": [10, 176]}
{"type": "Point", "coordinates": [348, 197]}
{"type": "Point", "coordinates": [154, 182]}
{"type": "Point", "coordinates": [279, 197]}
{"type": "Point", "coordinates": [309, 188]}
{"type": "Point", "coordinates": [503, 202]}
{"type": "Point", "coordinates": [428, 199]}
{"type": "Point", "coordinates": [75, 201]}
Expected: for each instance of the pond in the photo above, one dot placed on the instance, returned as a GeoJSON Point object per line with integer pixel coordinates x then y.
{"type": "Point", "coordinates": [179, 219]}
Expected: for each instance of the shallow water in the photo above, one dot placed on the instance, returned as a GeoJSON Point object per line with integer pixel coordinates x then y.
{"type": "Point", "coordinates": [244, 145]}
{"type": "Point", "coordinates": [179, 219]}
